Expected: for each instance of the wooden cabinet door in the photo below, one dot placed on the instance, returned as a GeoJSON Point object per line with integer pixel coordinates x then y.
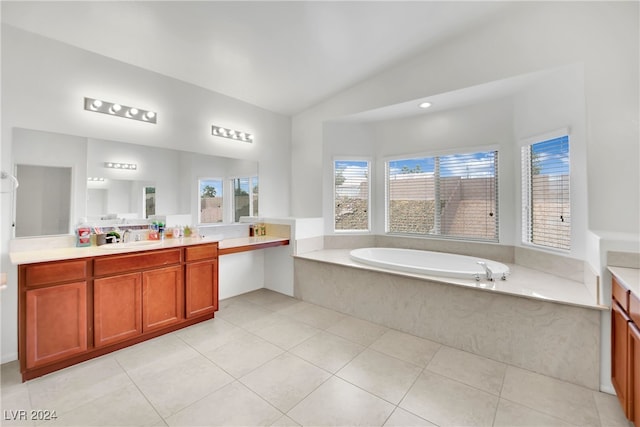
{"type": "Point", "coordinates": [162, 297]}
{"type": "Point", "coordinates": [56, 323]}
{"type": "Point", "coordinates": [201, 288]}
{"type": "Point", "coordinates": [620, 354]}
{"type": "Point", "coordinates": [117, 308]}
{"type": "Point", "coordinates": [634, 374]}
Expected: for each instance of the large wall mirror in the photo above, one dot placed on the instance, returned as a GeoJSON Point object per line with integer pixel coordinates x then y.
{"type": "Point", "coordinates": [163, 182]}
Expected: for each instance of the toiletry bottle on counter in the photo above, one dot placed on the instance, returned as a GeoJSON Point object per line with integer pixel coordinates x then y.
{"type": "Point", "coordinates": [83, 236]}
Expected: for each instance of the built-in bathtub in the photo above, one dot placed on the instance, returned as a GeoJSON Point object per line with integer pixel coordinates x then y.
{"type": "Point", "coordinates": [534, 320]}
{"type": "Point", "coordinates": [431, 263]}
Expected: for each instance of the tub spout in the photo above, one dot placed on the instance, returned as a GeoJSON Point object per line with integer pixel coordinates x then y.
{"type": "Point", "coordinates": [487, 270]}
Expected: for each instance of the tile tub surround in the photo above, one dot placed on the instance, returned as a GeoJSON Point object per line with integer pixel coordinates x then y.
{"type": "Point", "coordinates": [560, 340]}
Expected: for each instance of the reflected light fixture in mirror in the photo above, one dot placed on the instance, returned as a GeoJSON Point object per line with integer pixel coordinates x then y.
{"type": "Point", "coordinates": [231, 134]}
{"type": "Point", "coordinates": [120, 165]}
{"type": "Point", "coordinates": [113, 109]}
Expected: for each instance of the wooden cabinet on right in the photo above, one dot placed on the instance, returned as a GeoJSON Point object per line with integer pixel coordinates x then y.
{"type": "Point", "coordinates": [625, 350]}
{"type": "Point", "coordinates": [201, 280]}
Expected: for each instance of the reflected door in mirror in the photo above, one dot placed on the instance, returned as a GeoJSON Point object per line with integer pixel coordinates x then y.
{"type": "Point", "coordinates": [43, 200]}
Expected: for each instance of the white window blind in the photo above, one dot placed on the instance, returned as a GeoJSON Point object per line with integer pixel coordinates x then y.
{"type": "Point", "coordinates": [351, 195]}
{"type": "Point", "coordinates": [546, 198]}
{"type": "Point", "coordinates": [449, 196]}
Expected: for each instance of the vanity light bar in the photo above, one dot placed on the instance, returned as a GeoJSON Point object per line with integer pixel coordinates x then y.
{"type": "Point", "coordinates": [95, 179]}
{"type": "Point", "coordinates": [231, 134]}
{"type": "Point", "coordinates": [99, 106]}
{"type": "Point", "coordinates": [118, 165]}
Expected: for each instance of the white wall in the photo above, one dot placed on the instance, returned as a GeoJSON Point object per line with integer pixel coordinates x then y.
{"type": "Point", "coordinates": [477, 127]}
{"type": "Point", "coordinates": [44, 83]}
{"type": "Point", "coordinates": [553, 103]}
{"type": "Point", "coordinates": [532, 36]}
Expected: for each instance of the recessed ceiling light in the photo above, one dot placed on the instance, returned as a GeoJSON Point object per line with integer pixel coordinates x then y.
{"type": "Point", "coordinates": [425, 105]}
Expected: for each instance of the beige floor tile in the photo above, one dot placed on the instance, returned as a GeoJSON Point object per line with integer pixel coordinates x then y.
{"type": "Point", "coordinates": [402, 418]}
{"type": "Point", "coordinates": [338, 403]}
{"type": "Point", "coordinates": [72, 387]}
{"type": "Point", "coordinates": [409, 348]}
{"type": "Point", "coordinates": [267, 298]}
{"type": "Point", "coordinates": [180, 385]}
{"type": "Point", "coordinates": [610, 410]}
{"type": "Point", "coordinates": [560, 399]}
{"type": "Point", "coordinates": [15, 405]}
{"type": "Point", "coordinates": [285, 380]}
{"type": "Point", "coordinates": [263, 322]}
{"type": "Point", "coordinates": [382, 375]}
{"type": "Point", "coordinates": [15, 402]}
{"type": "Point", "coordinates": [287, 333]}
{"type": "Point", "coordinates": [124, 407]}
{"type": "Point", "coordinates": [285, 421]}
{"type": "Point", "coordinates": [511, 414]}
{"type": "Point", "coordinates": [470, 369]}
{"type": "Point", "coordinates": [156, 354]}
{"type": "Point", "coordinates": [209, 335]}
{"type": "Point", "coordinates": [318, 317]}
{"type": "Point", "coordinates": [357, 330]}
{"type": "Point", "coordinates": [241, 312]}
{"type": "Point", "coordinates": [446, 402]}
{"type": "Point", "coordinates": [242, 356]}
{"type": "Point", "coordinates": [232, 405]}
{"type": "Point", "coordinates": [328, 351]}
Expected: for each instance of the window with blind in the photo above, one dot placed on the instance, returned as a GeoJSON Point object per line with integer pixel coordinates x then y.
{"type": "Point", "coordinates": [546, 204]}
{"type": "Point", "coordinates": [449, 196]}
{"type": "Point", "coordinates": [351, 195]}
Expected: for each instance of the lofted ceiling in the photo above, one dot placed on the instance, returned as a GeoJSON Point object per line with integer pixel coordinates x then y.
{"type": "Point", "coordinates": [284, 56]}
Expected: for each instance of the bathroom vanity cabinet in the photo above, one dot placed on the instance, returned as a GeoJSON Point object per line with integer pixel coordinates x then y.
{"type": "Point", "coordinates": [202, 280]}
{"type": "Point", "coordinates": [73, 310]}
{"type": "Point", "coordinates": [625, 349]}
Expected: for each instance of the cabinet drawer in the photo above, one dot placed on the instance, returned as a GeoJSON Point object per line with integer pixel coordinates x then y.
{"type": "Point", "coordinates": [195, 253]}
{"type": "Point", "coordinates": [620, 294]}
{"type": "Point", "coordinates": [137, 261]}
{"type": "Point", "coordinates": [55, 272]}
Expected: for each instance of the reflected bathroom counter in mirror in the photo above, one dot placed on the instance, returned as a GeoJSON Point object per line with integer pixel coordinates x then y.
{"type": "Point", "coordinates": [51, 250]}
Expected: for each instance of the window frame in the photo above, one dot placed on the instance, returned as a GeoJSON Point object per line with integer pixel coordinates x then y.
{"type": "Point", "coordinates": [525, 192]}
{"type": "Point", "coordinates": [437, 219]}
{"type": "Point", "coordinates": [369, 162]}
{"type": "Point", "coordinates": [253, 181]}
{"type": "Point", "coordinates": [199, 199]}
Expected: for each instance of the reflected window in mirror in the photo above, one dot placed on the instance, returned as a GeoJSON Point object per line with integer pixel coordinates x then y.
{"type": "Point", "coordinates": [43, 200]}
{"type": "Point", "coordinates": [211, 200]}
{"type": "Point", "coordinates": [149, 201]}
{"type": "Point", "coordinates": [245, 197]}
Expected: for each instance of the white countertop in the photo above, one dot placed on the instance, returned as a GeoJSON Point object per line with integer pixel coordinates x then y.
{"type": "Point", "coordinates": [523, 282]}
{"type": "Point", "coordinates": [628, 277]}
{"type": "Point", "coordinates": [248, 241]}
{"type": "Point", "coordinates": [57, 254]}
{"type": "Point", "coordinates": [44, 254]}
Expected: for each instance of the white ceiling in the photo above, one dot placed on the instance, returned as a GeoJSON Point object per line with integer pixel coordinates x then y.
{"type": "Point", "coordinates": [281, 56]}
